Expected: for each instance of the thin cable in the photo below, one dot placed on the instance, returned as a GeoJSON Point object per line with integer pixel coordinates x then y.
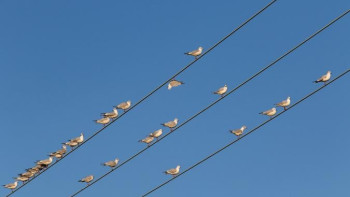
{"type": "Point", "coordinates": [236, 140]}
{"type": "Point", "coordinates": [152, 92]}
{"type": "Point", "coordinates": [218, 100]}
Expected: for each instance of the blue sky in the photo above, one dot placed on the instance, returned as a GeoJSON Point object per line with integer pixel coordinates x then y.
{"type": "Point", "coordinates": [64, 62]}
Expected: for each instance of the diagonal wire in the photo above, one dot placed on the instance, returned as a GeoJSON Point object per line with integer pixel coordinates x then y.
{"type": "Point", "coordinates": [251, 131]}
{"type": "Point", "coordinates": [218, 100]}
{"type": "Point", "coordinates": [153, 91]}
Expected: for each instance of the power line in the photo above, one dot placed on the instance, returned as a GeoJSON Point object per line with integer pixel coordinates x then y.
{"type": "Point", "coordinates": [236, 140]}
{"type": "Point", "coordinates": [151, 93]}
{"type": "Point", "coordinates": [212, 104]}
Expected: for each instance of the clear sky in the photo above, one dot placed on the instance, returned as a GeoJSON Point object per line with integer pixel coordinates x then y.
{"type": "Point", "coordinates": [64, 62]}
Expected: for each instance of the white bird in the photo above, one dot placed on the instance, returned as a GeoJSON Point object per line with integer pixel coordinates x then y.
{"type": "Point", "coordinates": [221, 91]}
{"type": "Point", "coordinates": [124, 106]}
{"type": "Point", "coordinates": [71, 144]}
{"type": "Point", "coordinates": [238, 132]}
{"type": "Point", "coordinates": [45, 162]}
{"type": "Point", "coordinates": [196, 52]}
{"type": "Point", "coordinates": [269, 112]}
{"type": "Point", "coordinates": [103, 121]}
{"type": "Point", "coordinates": [112, 163]}
{"type": "Point", "coordinates": [157, 133]}
{"type": "Point", "coordinates": [79, 139]}
{"type": "Point", "coordinates": [22, 178]}
{"type": "Point", "coordinates": [112, 114]}
{"type": "Point", "coordinates": [324, 78]}
{"type": "Point", "coordinates": [11, 186]}
{"type": "Point", "coordinates": [171, 124]}
{"type": "Point", "coordinates": [58, 154]}
{"type": "Point", "coordinates": [87, 179]}
{"type": "Point", "coordinates": [284, 103]}
{"type": "Point", "coordinates": [174, 83]}
{"type": "Point", "coordinates": [173, 171]}
{"type": "Point", "coordinates": [147, 140]}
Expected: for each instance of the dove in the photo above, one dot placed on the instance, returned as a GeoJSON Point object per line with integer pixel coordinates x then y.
{"type": "Point", "coordinates": [112, 114]}
{"type": "Point", "coordinates": [324, 78]}
{"type": "Point", "coordinates": [284, 103]}
{"type": "Point", "coordinates": [238, 132]}
{"type": "Point", "coordinates": [174, 83]}
{"type": "Point", "coordinates": [87, 179]}
{"type": "Point", "coordinates": [269, 112]}
{"type": "Point", "coordinates": [221, 91]}
{"type": "Point", "coordinates": [196, 52]}
{"type": "Point", "coordinates": [173, 171]}
{"type": "Point", "coordinates": [171, 124]}
{"type": "Point", "coordinates": [124, 106]}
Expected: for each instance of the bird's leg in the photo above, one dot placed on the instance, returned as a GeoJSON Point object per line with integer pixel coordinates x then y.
{"type": "Point", "coordinates": [284, 108]}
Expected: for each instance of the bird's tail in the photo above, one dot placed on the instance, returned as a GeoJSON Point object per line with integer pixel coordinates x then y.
{"type": "Point", "coordinates": [103, 164]}
{"type": "Point", "coordinates": [230, 131]}
{"type": "Point", "coordinates": [187, 53]}
{"type": "Point", "coordinates": [316, 81]}
{"type": "Point", "coordinates": [80, 181]}
{"type": "Point", "coordinates": [261, 112]}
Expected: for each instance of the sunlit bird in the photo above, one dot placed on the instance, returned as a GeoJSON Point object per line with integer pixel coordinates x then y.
{"type": "Point", "coordinates": [171, 124]}
{"type": "Point", "coordinates": [148, 140]}
{"type": "Point", "coordinates": [174, 83]}
{"type": "Point", "coordinates": [238, 132]}
{"type": "Point", "coordinates": [112, 163]}
{"type": "Point", "coordinates": [221, 91]}
{"type": "Point", "coordinates": [59, 154]}
{"type": "Point", "coordinates": [87, 179]}
{"type": "Point", "coordinates": [124, 106]}
{"type": "Point", "coordinates": [22, 178]}
{"type": "Point", "coordinates": [173, 171]}
{"type": "Point", "coordinates": [284, 103]}
{"type": "Point", "coordinates": [156, 134]}
{"type": "Point", "coordinates": [11, 186]}
{"type": "Point", "coordinates": [324, 78]}
{"type": "Point", "coordinates": [112, 114]}
{"type": "Point", "coordinates": [103, 121]}
{"type": "Point", "coordinates": [45, 162]}
{"type": "Point", "coordinates": [196, 52]}
{"type": "Point", "coordinates": [270, 112]}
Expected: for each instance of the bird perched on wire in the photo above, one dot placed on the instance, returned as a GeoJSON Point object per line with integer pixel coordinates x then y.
{"type": "Point", "coordinates": [148, 140]}
{"type": "Point", "coordinates": [22, 178]}
{"type": "Point", "coordinates": [324, 78]}
{"type": "Point", "coordinates": [173, 171]}
{"type": "Point", "coordinates": [103, 121]}
{"type": "Point", "coordinates": [171, 124]}
{"type": "Point", "coordinates": [112, 114]}
{"type": "Point", "coordinates": [270, 112]}
{"type": "Point", "coordinates": [196, 52]}
{"type": "Point", "coordinates": [156, 134]}
{"type": "Point", "coordinates": [11, 186]}
{"type": "Point", "coordinates": [59, 154]}
{"type": "Point", "coordinates": [45, 162]}
{"type": "Point", "coordinates": [112, 163]}
{"type": "Point", "coordinates": [75, 141]}
{"type": "Point", "coordinates": [87, 179]}
{"type": "Point", "coordinates": [238, 132]}
{"type": "Point", "coordinates": [174, 83]}
{"type": "Point", "coordinates": [221, 91]}
{"type": "Point", "coordinates": [284, 103]}
{"type": "Point", "coordinates": [124, 106]}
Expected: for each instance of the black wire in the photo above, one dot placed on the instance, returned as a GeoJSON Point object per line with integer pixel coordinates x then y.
{"type": "Point", "coordinates": [236, 140]}
{"type": "Point", "coordinates": [152, 92]}
{"type": "Point", "coordinates": [194, 116]}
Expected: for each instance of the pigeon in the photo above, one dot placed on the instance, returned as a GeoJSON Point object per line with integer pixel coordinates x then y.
{"type": "Point", "coordinates": [124, 106]}
{"type": "Point", "coordinates": [284, 103]}
{"type": "Point", "coordinates": [112, 163]}
{"type": "Point", "coordinates": [58, 154]}
{"type": "Point", "coordinates": [238, 132]}
{"type": "Point", "coordinates": [324, 78]}
{"type": "Point", "coordinates": [103, 121]}
{"type": "Point", "coordinates": [173, 171]}
{"type": "Point", "coordinates": [11, 186]}
{"type": "Point", "coordinates": [45, 162]}
{"type": "Point", "coordinates": [174, 83]}
{"type": "Point", "coordinates": [269, 112]}
{"type": "Point", "coordinates": [87, 179]}
{"type": "Point", "coordinates": [221, 91]}
{"type": "Point", "coordinates": [147, 140]}
{"type": "Point", "coordinates": [196, 52]}
{"type": "Point", "coordinates": [156, 134]}
{"type": "Point", "coordinates": [112, 114]}
{"type": "Point", "coordinates": [171, 124]}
